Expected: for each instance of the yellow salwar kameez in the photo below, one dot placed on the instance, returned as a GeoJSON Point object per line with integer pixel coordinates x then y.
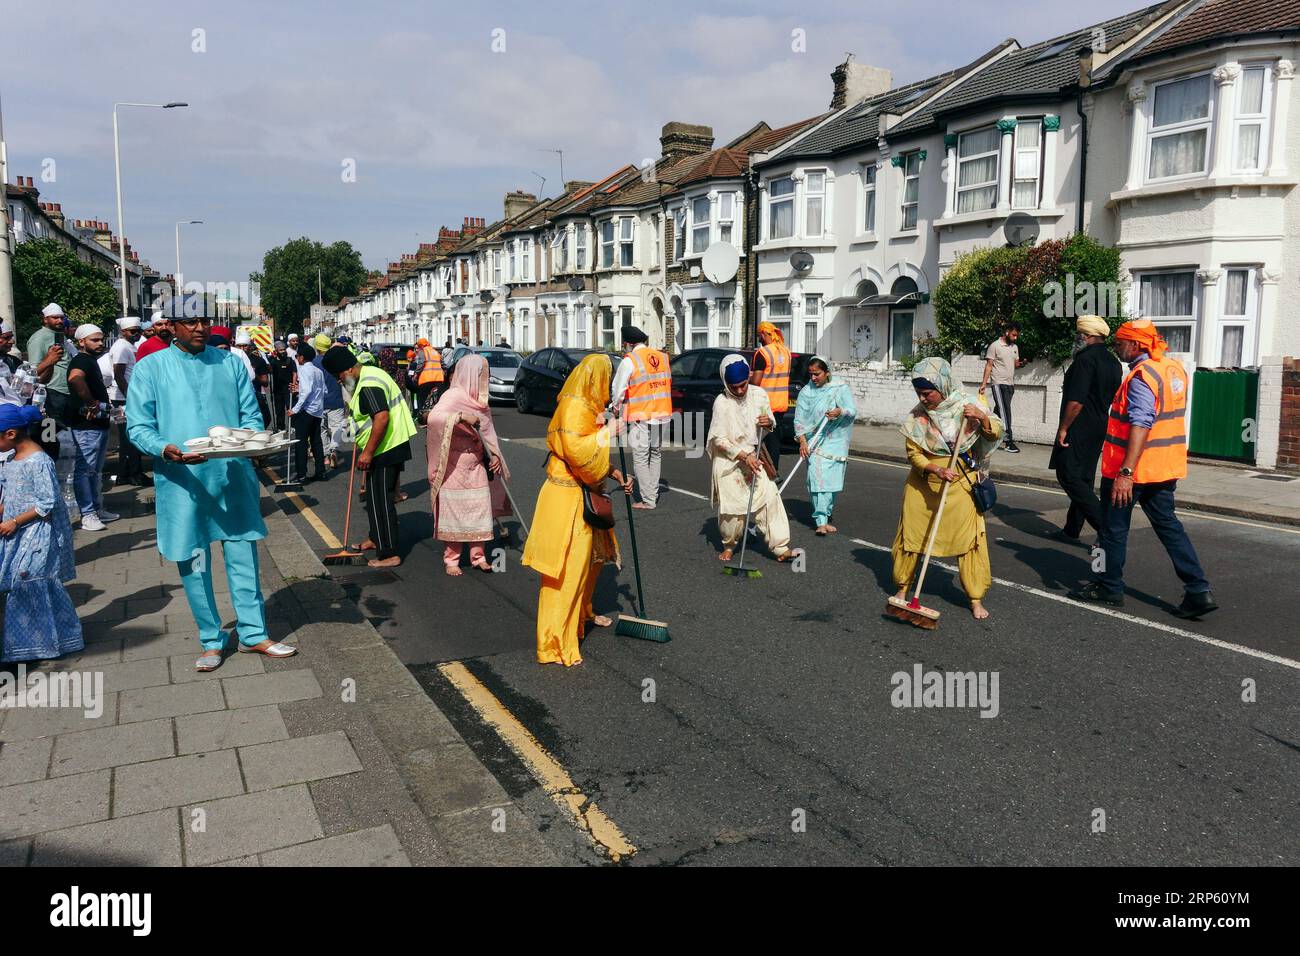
{"type": "Point", "coordinates": [562, 547]}
{"type": "Point", "coordinates": [961, 531]}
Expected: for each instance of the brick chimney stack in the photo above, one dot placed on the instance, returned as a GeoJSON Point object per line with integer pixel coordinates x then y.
{"type": "Point", "coordinates": [517, 201]}
{"type": "Point", "coordinates": [855, 82]}
{"type": "Point", "coordinates": [677, 140]}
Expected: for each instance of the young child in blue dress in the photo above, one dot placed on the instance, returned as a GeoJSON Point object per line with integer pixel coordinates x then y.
{"type": "Point", "coordinates": [36, 555]}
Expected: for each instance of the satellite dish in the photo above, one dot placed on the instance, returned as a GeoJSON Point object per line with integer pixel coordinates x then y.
{"type": "Point", "coordinates": [801, 262]}
{"type": "Point", "coordinates": [485, 296]}
{"type": "Point", "coordinates": [1021, 229]}
{"type": "Point", "coordinates": [720, 262]}
{"type": "Point", "coordinates": [575, 284]}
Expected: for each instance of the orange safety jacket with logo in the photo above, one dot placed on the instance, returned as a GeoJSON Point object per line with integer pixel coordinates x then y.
{"type": "Point", "coordinates": [431, 370]}
{"type": "Point", "coordinates": [775, 378]}
{"type": "Point", "coordinates": [1164, 456]}
{"type": "Point", "coordinates": [650, 389]}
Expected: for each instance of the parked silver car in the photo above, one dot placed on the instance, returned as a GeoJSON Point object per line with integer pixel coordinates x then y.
{"type": "Point", "coordinates": [503, 366]}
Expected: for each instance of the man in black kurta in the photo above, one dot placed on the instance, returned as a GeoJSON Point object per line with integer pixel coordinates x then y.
{"type": "Point", "coordinates": [1090, 384]}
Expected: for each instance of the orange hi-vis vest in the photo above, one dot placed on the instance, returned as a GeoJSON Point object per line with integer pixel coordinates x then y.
{"type": "Point", "coordinates": [775, 379]}
{"type": "Point", "coordinates": [431, 371]}
{"type": "Point", "coordinates": [650, 389]}
{"type": "Point", "coordinates": [1164, 456]}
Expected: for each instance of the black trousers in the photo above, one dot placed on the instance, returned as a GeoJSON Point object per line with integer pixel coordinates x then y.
{"type": "Point", "coordinates": [130, 466]}
{"type": "Point", "coordinates": [56, 410]}
{"type": "Point", "coordinates": [423, 391]}
{"type": "Point", "coordinates": [306, 429]}
{"type": "Point", "coordinates": [381, 508]}
{"type": "Point", "coordinates": [1076, 475]}
{"type": "Point", "coordinates": [1002, 405]}
{"type": "Point", "coordinates": [772, 441]}
{"type": "Point", "coordinates": [280, 404]}
{"type": "Point", "coordinates": [265, 409]}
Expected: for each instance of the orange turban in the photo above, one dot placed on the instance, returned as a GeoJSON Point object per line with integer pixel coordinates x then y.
{"type": "Point", "coordinates": [771, 330]}
{"type": "Point", "coordinates": [1145, 334]}
{"type": "Point", "coordinates": [421, 343]}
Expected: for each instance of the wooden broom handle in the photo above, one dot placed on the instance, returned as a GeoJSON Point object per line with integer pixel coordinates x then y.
{"type": "Point", "coordinates": [938, 514]}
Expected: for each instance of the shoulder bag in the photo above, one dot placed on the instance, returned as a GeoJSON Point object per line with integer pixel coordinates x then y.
{"type": "Point", "coordinates": [985, 492]}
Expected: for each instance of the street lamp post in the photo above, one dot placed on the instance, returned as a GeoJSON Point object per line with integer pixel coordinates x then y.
{"type": "Point", "coordinates": [117, 170]}
{"type": "Point", "coordinates": [179, 298]}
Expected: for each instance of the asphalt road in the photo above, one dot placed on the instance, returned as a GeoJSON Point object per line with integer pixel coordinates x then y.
{"type": "Point", "coordinates": [772, 736]}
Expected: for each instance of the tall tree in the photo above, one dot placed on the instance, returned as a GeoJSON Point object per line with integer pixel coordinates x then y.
{"type": "Point", "coordinates": [288, 279]}
{"type": "Point", "coordinates": [44, 271]}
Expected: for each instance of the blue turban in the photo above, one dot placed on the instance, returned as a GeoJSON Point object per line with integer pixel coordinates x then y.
{"type": "Point", "coordinates": [735, 370]}
{"type": "Point", "coordinates": [18, 416]}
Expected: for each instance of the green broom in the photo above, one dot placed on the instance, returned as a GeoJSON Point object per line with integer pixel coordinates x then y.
{"type": "Point", "coordinates": [628, 626]}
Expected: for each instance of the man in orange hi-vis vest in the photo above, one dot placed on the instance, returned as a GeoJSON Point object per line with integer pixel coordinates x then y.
{"type": "Point", "coordinates": [428, 370]}
{"type": "Point", "coordinates": [772, 374]}
{"type": "Point", "coordinates": [643, 389]}
{"type": "Point", "coordinates": [1144, 455]}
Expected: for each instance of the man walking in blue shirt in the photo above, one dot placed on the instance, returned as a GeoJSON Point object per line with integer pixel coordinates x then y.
{"type": "Point", "coordinates": [306, 413]}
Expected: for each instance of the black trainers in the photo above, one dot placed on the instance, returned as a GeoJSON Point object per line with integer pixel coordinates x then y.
{"type": "Point", "coordinates": [1094, 593]}
{"type": "Point", "coordinates": [1011, 447]}
{"type": "Point", "coordinates": [1194, 605]}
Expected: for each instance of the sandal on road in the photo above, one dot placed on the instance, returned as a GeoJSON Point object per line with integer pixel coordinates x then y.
{"type": "Point", "coordinates": [270, 648]}
{"type": "Point", "coordinates": [209, 660]}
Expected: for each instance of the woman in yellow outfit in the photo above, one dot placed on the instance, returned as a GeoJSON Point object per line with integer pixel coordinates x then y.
{"type": "Point", "coordinates": [943, 413]}
{"type": "Point", "coordinates": [562, 547]}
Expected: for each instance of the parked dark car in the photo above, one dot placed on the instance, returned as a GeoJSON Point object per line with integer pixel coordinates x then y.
{"type": "Point", "coordinates": [542, 375]}
{"type": "Point", "coordinates": [696, 383]}
{"type": "Point", "coordinates": [398, 350]}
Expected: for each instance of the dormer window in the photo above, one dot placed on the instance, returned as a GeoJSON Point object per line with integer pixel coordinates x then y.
{"type": "Point", "coordinates": [1178, 140]}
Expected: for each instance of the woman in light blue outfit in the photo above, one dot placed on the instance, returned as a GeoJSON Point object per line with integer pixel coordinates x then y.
{"type": "Point", "coordinates": [828, 453]}
{"type": "Point", "coordinates": [35, 548]}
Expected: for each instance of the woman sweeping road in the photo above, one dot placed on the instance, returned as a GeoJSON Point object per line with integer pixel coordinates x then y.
{"type": "Point", "coordinates": [466, 492]}
{"type": "Point", "coordinates": [943, 413]}
{"type": "Point", "coordinates": [567, 551]}
{"type": "Point", "coordinates": [822, 400]}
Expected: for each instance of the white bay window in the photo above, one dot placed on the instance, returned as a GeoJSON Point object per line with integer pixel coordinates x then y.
{"type": "Point", "coordinates": [1250, 124]}
{"type": "Point", "coordinates": [814, 191]}
{"type": "Point", "coordinates": [780, 208]}
{"type": "Point", "coordinates": [1178, 139]}
{"type": "Point", "coordinates": [1027, 164]}
{"type": "Point", "coordinates": [701, 222]}
{"type": "Point", "coordinates": [977, 170]}
{"type": "Point", "coordinates": [1169, 300]}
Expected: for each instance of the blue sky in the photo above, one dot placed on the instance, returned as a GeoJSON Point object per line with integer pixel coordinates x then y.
{"type": "Point", "coordinates": [439, 125]}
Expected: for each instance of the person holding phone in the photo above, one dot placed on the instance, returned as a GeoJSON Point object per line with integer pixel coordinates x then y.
{"type": "Point", "coordinates": [48, 353]}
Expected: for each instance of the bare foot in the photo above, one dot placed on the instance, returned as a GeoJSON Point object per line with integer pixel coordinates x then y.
{"type": "Point", "coordinates": [902, 594]}
{"type": "Point", "coordinates": [790, 555]}
{"type": "Point", "coordinates": [831, 529]}
{"type": "Point", "coordinates": [392, 562]}
{"type": "Point", "coordinates": [978, 610]}
{"type": "Point", "coordinates": [820, 530]}
{"type": "Point", "coordinates": [453, 570]}
{"type": "Point", "coordinates": [482, 565]}
{"type": "Point", "coordinates": [642, 506]}
{"type": "Point", "coordinates": [366, 545]}
{"type": "Point", "coordinates": [600, 620]}
{"type": "Point", "coordinates": [725, 555]}
{"type": "Point", "coordinates": [402, 496]}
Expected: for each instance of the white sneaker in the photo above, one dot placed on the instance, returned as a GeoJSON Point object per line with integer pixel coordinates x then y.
{"type": "Point", "coordinates": [107, 516]}
{"type": "Point", "coordinates": [91, 522]}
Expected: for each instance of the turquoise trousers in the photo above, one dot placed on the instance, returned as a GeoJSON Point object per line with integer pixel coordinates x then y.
{"type": "Point", "coordinates": [245, 594]}
{"type": "Point", "coordinates": [823, 503]}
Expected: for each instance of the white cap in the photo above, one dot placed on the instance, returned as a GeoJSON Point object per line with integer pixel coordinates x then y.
{"type": "Point", "coordinates": [243, 338]}
{"type": "Point", "coordinates": [128, 322]}
{"type": "Point", "coordinates": [157, 317]}
{"type": "Point", "coordinates": [293, 335]}
{"type": "Point", "coordinates": [87, 328]}
{"type": "Point", "coordinates": [52, 309]}
{"type": "Point", "coordinates": [6, 326]}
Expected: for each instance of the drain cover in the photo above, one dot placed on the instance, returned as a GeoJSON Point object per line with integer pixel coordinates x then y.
{"type": "Point", "coordinates": [366, 579]}
{"type": "Point", "coordinates": [1275, 477]}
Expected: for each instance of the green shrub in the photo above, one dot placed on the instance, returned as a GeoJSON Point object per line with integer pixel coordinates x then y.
{"type": "Point", "coordinates": [987, 288]}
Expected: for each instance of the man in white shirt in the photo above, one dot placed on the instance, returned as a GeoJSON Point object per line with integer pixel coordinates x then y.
{"type": "Point", "coordinates": [292, 350]}
{"type": "Point", "coordinates": [130, 468]}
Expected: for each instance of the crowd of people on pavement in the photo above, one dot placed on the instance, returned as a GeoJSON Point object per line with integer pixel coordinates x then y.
{"type": "Point", "coordinates": [165, 381]}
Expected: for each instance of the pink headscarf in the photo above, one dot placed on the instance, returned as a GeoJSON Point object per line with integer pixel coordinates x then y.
{"type": "Point", "coordinates": [468, 394]}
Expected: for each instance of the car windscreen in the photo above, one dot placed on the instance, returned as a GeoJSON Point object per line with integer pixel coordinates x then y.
{"type": "Point", "coordinates": [501, 359]}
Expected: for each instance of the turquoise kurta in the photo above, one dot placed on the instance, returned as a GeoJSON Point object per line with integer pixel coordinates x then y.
{"type": "Point", "coordinates": [176, 396]}
{"type": "Point", "coordinates": [829, 459]}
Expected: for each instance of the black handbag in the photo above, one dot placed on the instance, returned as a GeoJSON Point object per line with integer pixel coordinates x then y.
{"type": "Point", "coordinates": [983, 491]}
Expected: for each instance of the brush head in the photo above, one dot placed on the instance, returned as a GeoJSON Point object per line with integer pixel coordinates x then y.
{"type": "Point", "coordinates": [287, 486]}
{"type": "Point", "coordinates": [642, 629]}
{"type": "Point", "coordinates": [735, 572]}
{"type": "Point", "coordinates": [341, 558]}
{"type": "Point", "coordinates": [913, 612]}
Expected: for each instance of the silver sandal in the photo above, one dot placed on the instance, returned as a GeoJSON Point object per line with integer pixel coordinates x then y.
{"type": "Point", "coordinates": [271, 649]}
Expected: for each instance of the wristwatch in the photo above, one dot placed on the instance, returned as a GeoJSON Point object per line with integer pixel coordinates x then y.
{"type": "Point", "coordinates": [1126, 472]}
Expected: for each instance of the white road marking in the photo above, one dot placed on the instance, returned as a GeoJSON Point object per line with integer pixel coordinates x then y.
{"type": "Point", "coordinates": [683, 491]}
{"type": "Point", "coordinates": [1111, 612]}
{"type": "Point", "coordinates": [1182, 512]}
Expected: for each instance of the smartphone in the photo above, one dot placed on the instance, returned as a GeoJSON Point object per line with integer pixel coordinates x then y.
{"type": "Point", "coordinates": [58, 339]}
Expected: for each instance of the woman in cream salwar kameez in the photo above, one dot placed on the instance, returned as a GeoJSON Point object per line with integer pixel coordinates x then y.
{"type": "Point", "coordinates": [943, 412]}
{"type": "Point", "coordinates": [733, 445]}
{"type": "Point", "coordinates": [562, 547]}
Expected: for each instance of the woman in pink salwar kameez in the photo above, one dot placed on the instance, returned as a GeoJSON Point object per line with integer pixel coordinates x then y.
{"type": "Point", "coordinates": [466, 468]}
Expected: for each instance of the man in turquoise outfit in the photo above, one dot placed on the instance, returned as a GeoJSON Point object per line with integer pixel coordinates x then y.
{"type": "Point", "coordinates": [179, 394]}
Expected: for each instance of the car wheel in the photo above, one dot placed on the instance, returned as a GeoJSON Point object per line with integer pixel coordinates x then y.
{"type": "Point", "coordinates": [521, 400]}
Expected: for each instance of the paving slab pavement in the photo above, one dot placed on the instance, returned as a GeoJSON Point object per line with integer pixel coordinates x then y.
{"type": "Point", "coordinates": [334, 757]}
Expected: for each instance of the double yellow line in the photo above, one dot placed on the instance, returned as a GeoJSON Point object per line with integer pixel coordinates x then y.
{"type": "Point", "coordinates": [546, 770]}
